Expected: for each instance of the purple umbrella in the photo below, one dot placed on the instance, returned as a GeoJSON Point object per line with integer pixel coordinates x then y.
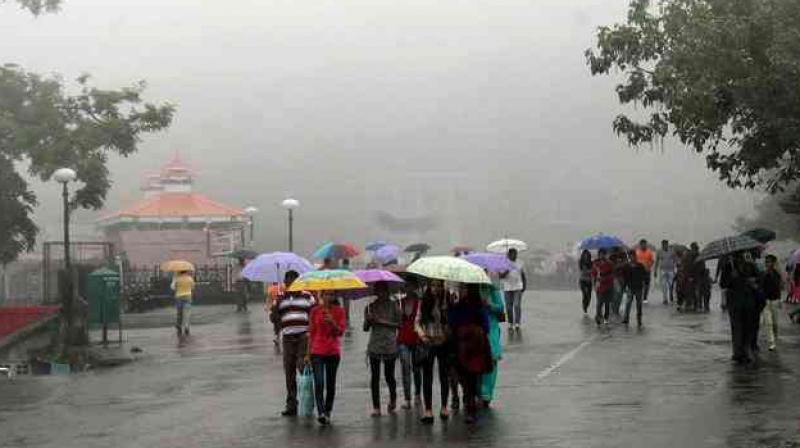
{"type": "Point", "coordinates": [494, 263]}
{"type": "Point", "coordinates": [794, 258]}
{"type": "Point", "coordinates": [377, 275]}
{"type": "Point", "coordinates": [271, 267]}
{"type": "Point", "coordinates": [386, 254]}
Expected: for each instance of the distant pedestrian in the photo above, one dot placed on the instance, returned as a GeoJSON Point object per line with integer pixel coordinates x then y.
{"type": "Point", "coordinates": [620, 260]}
{"type": "Point", "coordinates": [291, 313]}
{"type": "Point", "coordinates": [793, 297]}
{"type": "Point", "coordinates": [665, 267]}
{"type": "Point", "coordinates": [645, 256]}
{"type": "Point", "coordinates": [326, 327]}
{"type": "Point", "coordinates": [771, 285]}
{"type": "Point", "coordinates": [720, 277]}
{"type": "Point", "coordinates": [346, 300]}
{"type": "Point", "coordinates": [603, 280]}
{"type": "Point", "coordinates": [585, 282]}
{"type": "Point", "coordinates": [760, 297]}
{"type": "Point", "coordinates": [407, 343]}
{"type": "Point", "coordinates": [382, 319]}
{"type": "Point", "coordinates": [273, 292]}
{"type": "Point", "coordinates": [636, 274]}
{"type": "Point", "coordinates": [183, 285]}
{"type": "Point", "coordinates": [514, 286]}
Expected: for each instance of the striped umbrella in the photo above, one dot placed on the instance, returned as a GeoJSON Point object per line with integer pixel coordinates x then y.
{"type": "Point", "coordinates": [327, 280]}
{"type": "Point", "coordinates": [726, 246]}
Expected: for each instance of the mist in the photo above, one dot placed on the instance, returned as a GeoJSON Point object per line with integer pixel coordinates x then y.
{"type": "Point", "coordinates": [466, 121]}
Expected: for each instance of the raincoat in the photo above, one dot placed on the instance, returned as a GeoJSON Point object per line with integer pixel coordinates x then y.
{"type": "Point", "coordinates": [495, 309]}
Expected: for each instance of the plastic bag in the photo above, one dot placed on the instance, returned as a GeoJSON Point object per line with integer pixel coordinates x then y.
{"type": "Point", "coordinates": [305, 393]}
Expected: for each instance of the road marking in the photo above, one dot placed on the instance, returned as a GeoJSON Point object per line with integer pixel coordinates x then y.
{"type": "Point", "coordinates": [564, 359]}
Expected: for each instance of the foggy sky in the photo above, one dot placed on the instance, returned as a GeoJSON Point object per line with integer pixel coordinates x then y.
{"type": "Point", "coordinates": [480, 114]}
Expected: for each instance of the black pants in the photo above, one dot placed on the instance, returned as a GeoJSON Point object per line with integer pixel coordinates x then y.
{"type": "Point", "coordinates": [469, 384]}
{"type": "Point", "coordinates": [325, 368]}
{"type": "Point", "coordinates": [586, 290]}
{"type": "Point", "coordinates": [441, 355]}
{"type": "Point", "coordinates": [634, 294]}
{"type": "Point", "coordinates": [375, 379]}
{"type": "Point", "coordinates": [604, 304]}
{"type": "Point", "coordinates": [646, 287]}
{"type": "Point", "coordinates": [742, 329]}
{"type": "Point", "coordinates": [294, 350]}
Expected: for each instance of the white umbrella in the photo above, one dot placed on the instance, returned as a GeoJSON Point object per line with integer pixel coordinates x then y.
{"type": "Point", "coordinates": [502, 246]}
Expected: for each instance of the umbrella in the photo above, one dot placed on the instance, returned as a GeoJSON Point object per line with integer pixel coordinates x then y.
{"type": "Point", "coordinates": [328, 280]}
{"type": "Point", "coordinates": [243, 254]}
{"type": "Point", "coordinates": [417, 248]}
{"type": "Point", "coordinates": [386, 254]}
{"type": "Point", "coordinates": [678, 248]}
{"type": "Point", "coordinates": [494, 263]}
{"type": "Point", "coordinates": [450, 269]}
{"type": "Point", "coordinates": [794, 258]}
{"type": "Point", "coordinates": [726, 246]}
{"type": "Point", "coordinates": [271, 267]}
{"type": "Point", "coordinates": [761, 235]}
{"type": "Point", "coordinates": [336, 251]}
{"type": "Point", "coordinates": [600, 241]}
{"type": "Point", "coordinates": [177, 266]}
{"type": "Point", "coordinates": [377, 275]}
{"type": "Point", "coordinates": [462, 249]}
{"type": "Point", "coordinates": [504, 245]}
{"type": "Point", "coordinates": [375, 245]}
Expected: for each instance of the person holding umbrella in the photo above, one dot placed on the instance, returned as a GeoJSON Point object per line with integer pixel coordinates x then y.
{"type": "Point", "coordinates": [326, 327]}
{"type": "Point", "coordinates": [382, 319]}
{"type": "Point", "coordinates": [434, 334]}
{"type": "Point", "coordinates": [514, 286]}
{"type": "Point", "coordinates": [183, 285]}
{"type": "Point", "coordinates": [603, 280]}
{"type": "Point", "coordinates": [408, 341]}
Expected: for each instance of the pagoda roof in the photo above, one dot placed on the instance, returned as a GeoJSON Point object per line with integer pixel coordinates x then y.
{"type": "Point", "coordinates": [176, 206]}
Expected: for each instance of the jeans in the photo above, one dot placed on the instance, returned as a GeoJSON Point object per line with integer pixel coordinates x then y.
{"type": "Point", "coordinates": [324, 368]}
{"type": "Point", "coordinates": [294, 350]}
{"type": "Point", "coordinates": [770, 315]}
{"type": "Point", "coordinates": [646, 286]}
{"type": "Point", "coordinates": [440, 354]}
{"type": "Point", "coordinates": [667, 278]}
{"type": "Point", "coordinates": [514, 307]}
{"type": "Point", "coordinates": [375, 379]}
{"type": "Point", "coordinates": [619, 292]}
{"type": "Point", "coordinates": [410, 370]}
{"type": "Point", "coordinates": [637, 294]}
{"type": "Point", "coordinates": [604, 304]}
{"type": "Point", "coordinates": [586, 291]}
{"type": "Point", "coordinates": [183, 313]}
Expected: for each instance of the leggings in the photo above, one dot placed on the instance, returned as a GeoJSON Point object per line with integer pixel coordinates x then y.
{"type": "Point", "coordinates": [586, 291]}
{"type": "Point", "coordinates": [410, 370]}
{"type": "Point", "coordinates": [324, 368]}
{"type": "Point", "coordinates": [439, 353]}
{"type": "Point", "coordinates": [469, 382]}
{"type": "Point", "coordinates": [375, 379]}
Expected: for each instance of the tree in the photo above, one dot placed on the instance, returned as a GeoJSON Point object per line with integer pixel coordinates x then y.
{"type": "Point", "coordinates": [777, 212]}
{"type": "Point", "coordinates": [723, 76]}
{"type": "Point", "coordinates": [43, 128]}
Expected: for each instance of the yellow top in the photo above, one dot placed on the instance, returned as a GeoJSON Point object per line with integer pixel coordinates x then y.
{"type": "Point", "coordinates": [183, 285]}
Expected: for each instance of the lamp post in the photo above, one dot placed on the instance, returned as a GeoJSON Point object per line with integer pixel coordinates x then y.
{"type": "Point", "coordinates": [251, 212]}
{"type": "Point", "coordinates": [291, 204]}
{"type": "Point", "coordinates": [64, 176]}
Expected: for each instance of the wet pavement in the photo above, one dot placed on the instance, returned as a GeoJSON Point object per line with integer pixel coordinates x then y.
{"type": "Point", "coordinates": [563, 382]}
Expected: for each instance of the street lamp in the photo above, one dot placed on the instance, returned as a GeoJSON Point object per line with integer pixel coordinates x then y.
{"type": "Point", "coordinates": [291, 204]}
{"type": "Point", "coordinates": [64, 176]}
{"type": "Point", "coordinates": [251, 212]}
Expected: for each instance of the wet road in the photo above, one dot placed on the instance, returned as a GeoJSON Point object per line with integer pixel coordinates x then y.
{"type": "Point", "coordinates": [563, 382]}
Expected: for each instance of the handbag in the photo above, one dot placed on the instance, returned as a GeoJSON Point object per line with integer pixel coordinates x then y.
{"type": "Point", "coordinates": [305, 393]}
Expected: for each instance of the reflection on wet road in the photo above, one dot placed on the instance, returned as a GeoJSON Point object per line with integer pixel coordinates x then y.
{"type": "Point", "coordinates": [563, 382]}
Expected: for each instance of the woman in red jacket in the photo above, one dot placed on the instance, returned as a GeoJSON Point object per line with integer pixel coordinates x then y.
{"type": "Point", "coordinates": [326, 326]}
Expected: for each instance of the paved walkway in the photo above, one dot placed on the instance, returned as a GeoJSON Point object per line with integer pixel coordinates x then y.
{"type": "Point", "coordinates": [563, 382]}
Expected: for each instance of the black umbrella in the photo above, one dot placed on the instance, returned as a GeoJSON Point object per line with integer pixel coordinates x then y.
{"type": "Point", "coordinates": [418, 248]}
{"type": "Point", "coordinates": [761, 235]}
{"type": "Point", "coordinates": [727, 246]}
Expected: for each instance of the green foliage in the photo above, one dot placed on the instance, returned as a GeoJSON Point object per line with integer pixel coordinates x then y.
{"type": "Point", "coordinates": [777, 212]}
{"type": "Point", "coordinates": [721, 75]}
{"type": "Point", "coordinates": [44, 128]}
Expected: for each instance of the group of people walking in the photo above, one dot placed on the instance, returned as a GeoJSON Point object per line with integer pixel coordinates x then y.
{"type": "Point", "coordinates": [429, 326]}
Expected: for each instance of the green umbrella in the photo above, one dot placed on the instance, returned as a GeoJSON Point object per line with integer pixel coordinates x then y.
{"type": "Point", "coordinates": [761, 234]}
{"type": "Point", "coordinates": [450, 269]}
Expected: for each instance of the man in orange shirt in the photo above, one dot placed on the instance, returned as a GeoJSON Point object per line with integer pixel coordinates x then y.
{"type": "Point", "coordinates": [645, 256]}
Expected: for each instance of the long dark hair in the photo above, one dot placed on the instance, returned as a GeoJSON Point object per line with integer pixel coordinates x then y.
{"type": "Point", "coordinates": [586, 259]}
{"type": "Point", "coordinates": [429, 301]}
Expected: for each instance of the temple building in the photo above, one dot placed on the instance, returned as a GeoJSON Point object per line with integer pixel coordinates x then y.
{"type": "Point", "coordinates": [174, 222]}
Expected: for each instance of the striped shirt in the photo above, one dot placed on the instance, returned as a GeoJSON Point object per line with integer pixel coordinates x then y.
{"type": "Point", "coordinates": [293, 312]}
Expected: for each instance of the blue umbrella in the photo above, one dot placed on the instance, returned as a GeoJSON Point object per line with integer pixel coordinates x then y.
{"type": "Point", "coordinates": [601, 241]}
{"type": "Point", "coordinates": [493, 263]}
{"type": "Point", "coordinates": [271, 267]}
{"type": "Point", "coordinates": [386, 254]}
{"type": "Point", "coordinates": [375, 245]}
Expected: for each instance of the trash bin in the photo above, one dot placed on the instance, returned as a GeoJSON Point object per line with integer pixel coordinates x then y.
{"type": "Point", "coordinates": [103, 292]}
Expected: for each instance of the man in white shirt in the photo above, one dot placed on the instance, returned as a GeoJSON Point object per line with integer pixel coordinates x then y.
{"type": "Point", "coordinates": [514, 285]}
{"type": "Point", "coordinates": [665, 266]}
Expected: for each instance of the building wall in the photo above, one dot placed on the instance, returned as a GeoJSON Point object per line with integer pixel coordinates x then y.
{"type": "Point", "coordinates": [146, 247]}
